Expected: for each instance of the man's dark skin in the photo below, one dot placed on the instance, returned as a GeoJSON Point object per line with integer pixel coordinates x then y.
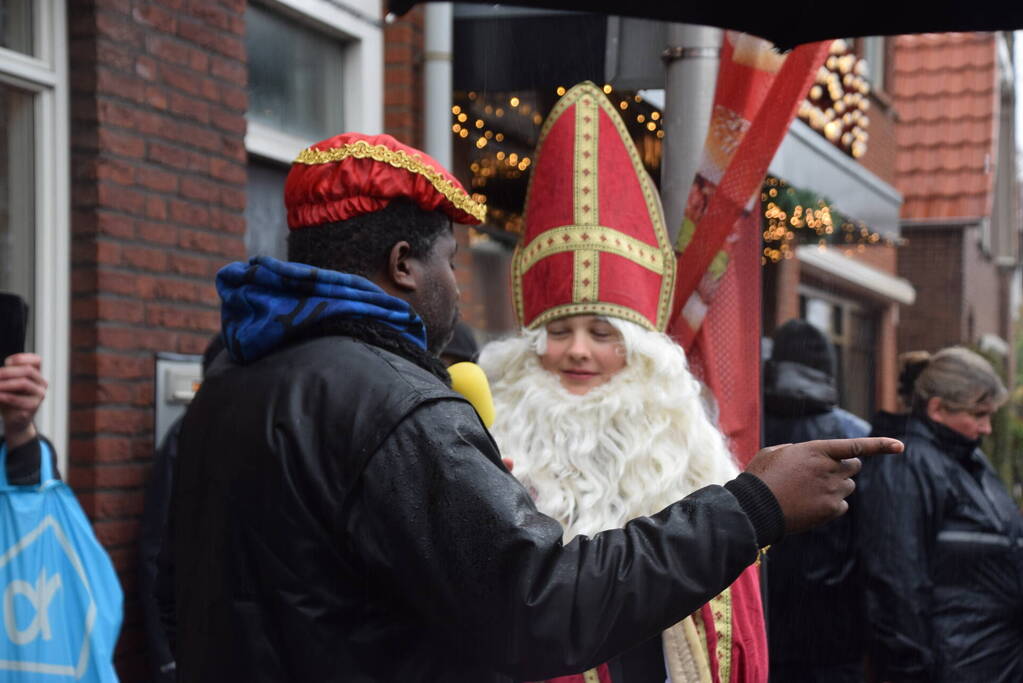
{"type": "Point", "coordinates": [810, 480]}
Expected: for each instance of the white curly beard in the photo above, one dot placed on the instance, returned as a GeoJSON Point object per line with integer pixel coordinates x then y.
{"type": "Point", "coordinates": [625, 449]}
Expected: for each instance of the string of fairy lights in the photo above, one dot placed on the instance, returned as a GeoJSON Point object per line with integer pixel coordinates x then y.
{"type": "Point", "coordinates": [793, 217]}
{"type": "Point", "coordinates": [838, 101]}
{"type": "Point", "coordinates": [500, 130]}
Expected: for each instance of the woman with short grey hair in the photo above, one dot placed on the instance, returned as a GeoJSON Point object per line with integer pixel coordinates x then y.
{"type": "Point", "coordinates": [942, 539]}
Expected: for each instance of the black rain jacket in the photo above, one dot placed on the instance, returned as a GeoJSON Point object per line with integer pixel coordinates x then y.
{"type": "Point", "coordinates": [814, 614]}
{"type": "Point", "coordinates": [339, 514]}
{"type": "Point", "coordinates": [942, 549]}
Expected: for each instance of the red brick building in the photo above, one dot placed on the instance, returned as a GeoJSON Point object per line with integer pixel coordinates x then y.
{"type": "Point", "coordinates": [850, 289]}
{"type": "Point", "coordinates": [956, 168]}
{"type": "Point", "coordinates": [158, 168]}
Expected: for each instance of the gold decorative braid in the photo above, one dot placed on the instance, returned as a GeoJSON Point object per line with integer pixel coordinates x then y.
{"type": "Point", "coordinates": [585, 276]}
{"type": "Point", "coordinates": [589, 237]}
{"type": "Point", "coordinates": [721, 612]}
{"type": "Point", "coordinates": [591, 676]}
{"type": "Point", "coordinates": [596, 308]}
{"type": "Point", "coordinates": [701, 630]}
{"type": "Point", "coordinates": [586, 204]}
{"type": "Point", "coordinates": [397, 158]}
{"type": "Point", "coordinates": [721, 608]}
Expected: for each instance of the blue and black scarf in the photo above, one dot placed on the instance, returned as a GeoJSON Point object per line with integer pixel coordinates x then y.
{"type": "Point", "coordinates": [267, 303]}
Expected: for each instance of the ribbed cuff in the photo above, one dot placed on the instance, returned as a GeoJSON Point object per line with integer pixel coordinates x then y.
{"type": "Point", "coordinates": [760, 505]}
{"type": "Point", "coordinates": [23, 464]}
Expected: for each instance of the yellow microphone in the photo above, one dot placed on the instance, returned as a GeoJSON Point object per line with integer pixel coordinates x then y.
{"type": "Point", "coordinates": [469, 380]}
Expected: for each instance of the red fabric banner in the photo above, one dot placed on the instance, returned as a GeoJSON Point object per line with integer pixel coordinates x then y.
{"type": "Point", "coordinates": [753, 107]}
{"type": "Point", "coordinates": [716, 312]}
{"type": "Point", "coordinates": [725, 353]}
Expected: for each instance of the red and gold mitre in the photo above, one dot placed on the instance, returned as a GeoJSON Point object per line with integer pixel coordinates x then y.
{"type": "Point", "coordinates": [353, 174]}
{"type": "Point", "coordinates": [594, 240]}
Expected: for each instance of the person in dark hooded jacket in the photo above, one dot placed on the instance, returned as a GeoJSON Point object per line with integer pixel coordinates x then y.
{"type": "Point", "coordinates": [942, 539]}
{"type": "Point", "coordinates": [814, 621]}
{"type": "Point", "coordinates": [154, 519]}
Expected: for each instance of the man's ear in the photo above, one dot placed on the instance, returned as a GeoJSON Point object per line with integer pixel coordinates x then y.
{"type": "Point", "coordinates": [934, 408]}
{"type": "Point", "coordinates": [401, 272]}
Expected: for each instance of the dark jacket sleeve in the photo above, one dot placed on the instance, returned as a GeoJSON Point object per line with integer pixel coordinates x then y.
{"type": "Point", "coordinates": [22, 465]}
{"type": "Point", "coordinates": [460, 539]}
{"type": "Point", "coordinates": [154, 522]}
{"type": "Point", "coordinates": [897, 517]}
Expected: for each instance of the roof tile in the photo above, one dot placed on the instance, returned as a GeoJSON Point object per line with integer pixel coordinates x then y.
{"type": "Point", "coordinates": [944, 91]}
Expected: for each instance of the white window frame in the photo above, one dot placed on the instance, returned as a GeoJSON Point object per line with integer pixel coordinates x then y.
{"type": "Point", "coordinates": [358, 24]}
{"type": "Point", "coordinates": [46, 77]}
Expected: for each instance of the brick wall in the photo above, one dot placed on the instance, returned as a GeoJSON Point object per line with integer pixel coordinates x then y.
{"type": "Point", "coordinates": [403, 118]}
{"type": "Point", "coordinates": [403, 78]}
{"type": "Point", "coordinates": [158, 175]}
{"type": "Point", "coordinates": [887, 371]}
{"type": "Point", "coordinates": [882, 147]}
{"type": "Point", "coordinates": [781, 293]}
{"type": "Point", "coordinates": [932, 260]}
{"type": "Point", "coordinates": [881, 256]}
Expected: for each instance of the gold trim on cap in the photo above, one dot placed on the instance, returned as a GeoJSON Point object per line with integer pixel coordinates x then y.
{"type": "Point", "coordinates": [595, 308]}
{"type": "Point", "coordinates": [398, 159]}
{"type": "Point", "coordinates": [589, 237]}
{"type": "Point", "coordinates": [585, 183]}
{"type": "Point", "coordinates": [585, 276]}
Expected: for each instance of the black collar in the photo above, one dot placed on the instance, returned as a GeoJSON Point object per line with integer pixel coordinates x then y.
{"type": "Point", "coordinates": [379, 335]}
{"type": "Point", "coordinates": [947, 440]}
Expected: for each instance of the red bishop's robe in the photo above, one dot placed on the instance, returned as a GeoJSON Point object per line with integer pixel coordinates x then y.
{"type": "Point", "coordinates": [724, 642]}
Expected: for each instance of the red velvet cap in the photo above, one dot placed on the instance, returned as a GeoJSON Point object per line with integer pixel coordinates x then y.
{"type": "Point", "coordinates": [594, 240]}
{"type": "Point", "coordinates": [352, 174]}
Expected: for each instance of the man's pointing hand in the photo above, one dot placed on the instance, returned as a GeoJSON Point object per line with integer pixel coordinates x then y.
{"type": "Point", "coordinates": [811, 480]}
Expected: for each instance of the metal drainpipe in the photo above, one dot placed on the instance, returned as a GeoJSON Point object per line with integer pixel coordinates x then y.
{"type": "Point", "coordinates": [691, 61]}
{"type": "Point", "coordinates": [437, 82]}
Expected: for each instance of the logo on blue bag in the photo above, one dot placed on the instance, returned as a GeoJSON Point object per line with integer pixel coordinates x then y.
{"type": "Point", "coordinates": [45, 627]}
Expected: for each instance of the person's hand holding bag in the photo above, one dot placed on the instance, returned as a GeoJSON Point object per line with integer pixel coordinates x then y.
{"type": "Point", "coordinates": [22, 390]}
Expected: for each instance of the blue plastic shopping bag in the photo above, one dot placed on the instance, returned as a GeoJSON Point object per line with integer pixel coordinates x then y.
{"type": "Point", "coordinates": [60, 599]}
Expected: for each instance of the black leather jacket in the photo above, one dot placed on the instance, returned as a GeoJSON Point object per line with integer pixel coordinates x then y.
{"type": "Point", "coordinates": [942, 546]}
{"type": "Point", "coordinates": [340, 515]}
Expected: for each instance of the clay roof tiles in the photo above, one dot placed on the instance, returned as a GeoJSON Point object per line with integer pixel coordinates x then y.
{"type": "Point", "coordinates": [944, 92]}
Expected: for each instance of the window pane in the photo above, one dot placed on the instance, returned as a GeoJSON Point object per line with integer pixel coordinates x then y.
{"type": "Point", "coordinates": [873, 53]}
{"type": "Point", "coordinates": [266, 227]}
{"type": "Point", "coordinates": [17, 192]}
{"type": "Point", "coordinates": [294, 76]}
{"type": "Point", "coordinates": [858, 391]}
{"type": "Point", "coordinates": [16, 25]}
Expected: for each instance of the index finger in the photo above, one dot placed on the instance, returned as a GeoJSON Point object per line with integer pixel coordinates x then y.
{"type": "Point", "coordinates": [843, 449]}
{"type": "Point", "coordinates": [24, 359]}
